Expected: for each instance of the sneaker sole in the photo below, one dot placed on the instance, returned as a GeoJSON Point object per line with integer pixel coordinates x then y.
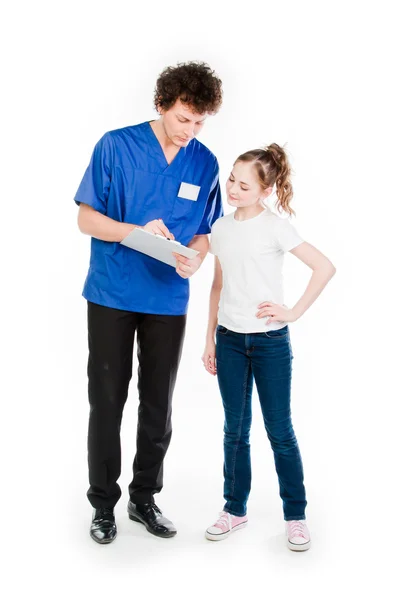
{"type": "Point", "coordinates": [216, 537]}
{"type": "Point", "coordinates": [298, 547]}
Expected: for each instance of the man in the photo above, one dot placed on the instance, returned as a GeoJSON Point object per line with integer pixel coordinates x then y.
{"type": "Point", "coordinates": [158, 177]}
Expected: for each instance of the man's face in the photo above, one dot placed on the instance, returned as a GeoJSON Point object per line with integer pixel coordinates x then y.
{"type": "Point", "coordinates": [181, 124]}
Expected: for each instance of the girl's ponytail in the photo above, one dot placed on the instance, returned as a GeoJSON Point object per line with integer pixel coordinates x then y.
{"type": "Point", "coordinates": [284, 189]}
{"type": "Point", "coordinates": [273, 168]}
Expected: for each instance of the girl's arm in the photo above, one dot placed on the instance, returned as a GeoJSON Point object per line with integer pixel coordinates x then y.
{"type": "Point", "coordinates": [323, 271]}
{"type": "Point", "coordinates": [214, 301]}
{"type": "Point", "coordinates": [208, 357]}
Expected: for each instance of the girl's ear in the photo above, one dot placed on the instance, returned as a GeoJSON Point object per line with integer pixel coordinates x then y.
{"type": "Point", "coordinates": [267, 192]}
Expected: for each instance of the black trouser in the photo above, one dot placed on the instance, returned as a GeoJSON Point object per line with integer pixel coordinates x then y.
{"type": "Point", "coordinates": [111, 336]}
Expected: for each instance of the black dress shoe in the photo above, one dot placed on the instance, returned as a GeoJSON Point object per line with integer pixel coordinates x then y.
{"type": "Point", "coordinates": [103, 529]}
{"type": "Point", "coordinates": [152, 518]}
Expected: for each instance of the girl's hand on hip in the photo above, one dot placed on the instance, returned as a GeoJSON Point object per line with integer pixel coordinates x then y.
{"type": "Point", "coordinates": [275, 312]}
{"type": "Point", "coordinates": [208, 358]}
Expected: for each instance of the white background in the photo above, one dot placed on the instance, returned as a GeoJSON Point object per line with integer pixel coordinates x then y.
{"type": "Point", "coordinates": [318, 76]}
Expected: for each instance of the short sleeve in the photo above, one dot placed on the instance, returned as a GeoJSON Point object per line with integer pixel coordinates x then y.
{"type": "Point", "coordinates": [213, 249]}
{"type": "Point", "coordinates": [95, 185]}
{"type": "Point", "coordinates": [287, 236]}
{"type": "Point", "coordinates": [214, 209]}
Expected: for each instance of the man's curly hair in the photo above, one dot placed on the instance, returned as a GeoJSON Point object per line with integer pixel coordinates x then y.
{"type": "Point", "coordinates": [194, 83]}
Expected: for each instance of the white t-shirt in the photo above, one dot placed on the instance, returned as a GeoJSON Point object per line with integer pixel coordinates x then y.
{"type": "Point", "coordinates": [251, 256]}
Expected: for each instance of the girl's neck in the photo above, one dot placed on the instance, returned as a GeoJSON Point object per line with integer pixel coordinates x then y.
{"type": "Point", "coordinates": [248, 212]}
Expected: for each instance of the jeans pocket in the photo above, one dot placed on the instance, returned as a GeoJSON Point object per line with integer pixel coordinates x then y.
{"type": "Point", "coordinates": [222, 330]}
{"type": "Point", "coordinates": [278, 333]}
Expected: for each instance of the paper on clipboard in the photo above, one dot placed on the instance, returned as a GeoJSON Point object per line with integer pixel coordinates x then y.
{"type": "Point", "coordinates": [157, 246]}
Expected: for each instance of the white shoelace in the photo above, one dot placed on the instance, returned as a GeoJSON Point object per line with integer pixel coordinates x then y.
{"type": "Point", "coordinates": [225, 519]}
{"type": "Point", "coordinates": [297, 529]}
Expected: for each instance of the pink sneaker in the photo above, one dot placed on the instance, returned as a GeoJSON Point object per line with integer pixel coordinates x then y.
{"type": "Point", "coordinates": [298, 536]}
{"type": "Point", "coordinates": [224, 526]}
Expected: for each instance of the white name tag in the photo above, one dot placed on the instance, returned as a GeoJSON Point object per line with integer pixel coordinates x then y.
{"type": "Point", "coordinates": [189, 191]}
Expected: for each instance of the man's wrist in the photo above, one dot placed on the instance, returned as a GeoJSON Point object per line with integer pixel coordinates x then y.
{"type": "Point", "coordinates": [125, 229]}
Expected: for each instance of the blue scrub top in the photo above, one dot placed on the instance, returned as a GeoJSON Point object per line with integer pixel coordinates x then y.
{"type": "Point", "coordinates": [129, 180]}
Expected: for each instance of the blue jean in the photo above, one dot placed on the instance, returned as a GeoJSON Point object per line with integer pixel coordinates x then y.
{"type": "Point", "coordinates": [267, 359]}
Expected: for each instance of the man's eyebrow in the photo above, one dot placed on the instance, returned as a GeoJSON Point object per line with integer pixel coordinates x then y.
{"type": "Point", "coordinates": [186, 119]}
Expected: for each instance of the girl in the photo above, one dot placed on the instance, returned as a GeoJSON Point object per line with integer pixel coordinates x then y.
{"type": "Point", "coordinates": [252, 336]}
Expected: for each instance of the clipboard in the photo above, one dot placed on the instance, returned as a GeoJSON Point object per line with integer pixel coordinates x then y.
{"type": "Point", "coordinates": [157, 246]}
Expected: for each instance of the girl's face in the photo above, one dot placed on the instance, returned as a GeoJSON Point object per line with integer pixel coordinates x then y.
{"type": "Point", "coordinates": [243, 188]}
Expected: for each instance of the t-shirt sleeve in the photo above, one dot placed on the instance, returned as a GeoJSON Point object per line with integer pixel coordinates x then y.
{"type": "Point", "coordinates": [95, 185]}
{"type": "Point", "coordinates": [286, 235]}
{"type": "Point", "coordinates": [213, 248]}
{"type": "Point", "coordinates": [214, 209]}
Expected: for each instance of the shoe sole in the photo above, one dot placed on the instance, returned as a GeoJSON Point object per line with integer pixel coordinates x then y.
{"type": "Point", "coordinates": [299, 547]}
{"type": "Point", "coordinates": [216, 537]}
{"type": "Point", "coordinates": [137, 519]}
{"type": "Point", "coordinates": [102, 542]}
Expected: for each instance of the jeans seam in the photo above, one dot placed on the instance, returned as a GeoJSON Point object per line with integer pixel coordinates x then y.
{"type": "Point", "coordinates": [276, 337]}
{"type": "Point", "coordinates": [245, 385]}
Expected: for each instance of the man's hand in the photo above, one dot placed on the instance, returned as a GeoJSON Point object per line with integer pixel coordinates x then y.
{"type": "Point", "coordinates": [157, 226]}
{"type": "Point", "coordinates": [186, 267]}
